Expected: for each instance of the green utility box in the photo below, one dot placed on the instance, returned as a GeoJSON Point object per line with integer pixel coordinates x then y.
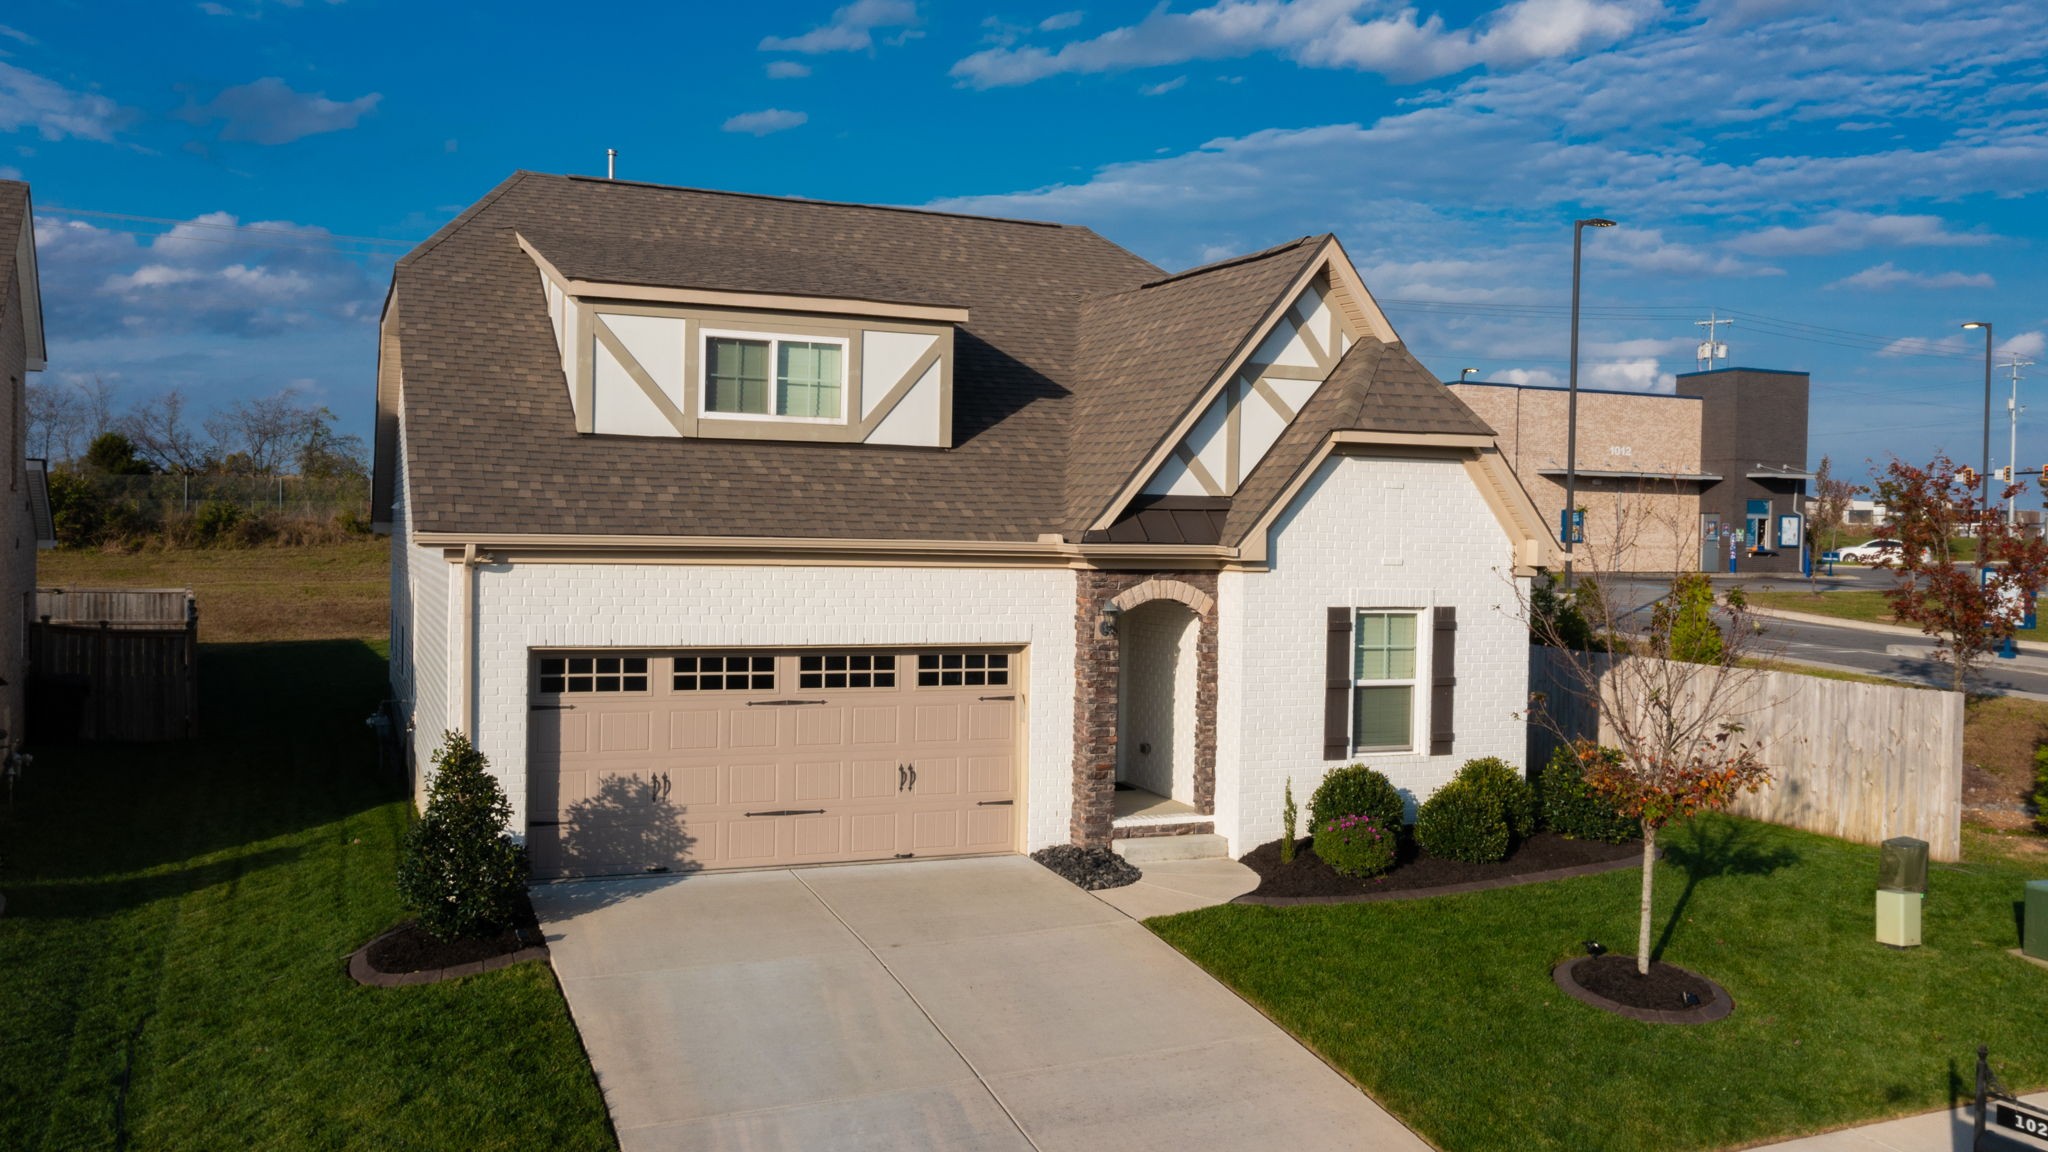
{"type": "Point", "coordinates": [1902, 865]}
{"type": "Point", "coordinates": [2035, 943]}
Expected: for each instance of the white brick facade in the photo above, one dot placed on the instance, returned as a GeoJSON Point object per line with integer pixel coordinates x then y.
{"type": "Point", "coordinates": [1366, 533]}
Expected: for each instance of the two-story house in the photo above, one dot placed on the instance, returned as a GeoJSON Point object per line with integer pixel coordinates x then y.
{"type": "Point", "coordinates": [739, 530]}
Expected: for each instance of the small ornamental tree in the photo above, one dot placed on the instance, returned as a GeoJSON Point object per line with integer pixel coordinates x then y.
{"type": "Point", "coordinates": [461, 874]}
{"type": "Point", "coordinates": [1970, 609]}
{"type": "Point", "coordinates": [1826, 513]}
{"type": "Point", "coordinates": [1673, 725]}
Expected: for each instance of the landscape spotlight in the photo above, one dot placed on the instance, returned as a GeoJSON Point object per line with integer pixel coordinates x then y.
{"type": "Point", "coordinates": [1692, 999]}
{"type": "Point", "coordinates": [1595, 948]}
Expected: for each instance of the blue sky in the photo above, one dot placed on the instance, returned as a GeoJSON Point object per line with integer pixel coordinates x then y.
{"type": "Point", "coordinates": [1850, 179]}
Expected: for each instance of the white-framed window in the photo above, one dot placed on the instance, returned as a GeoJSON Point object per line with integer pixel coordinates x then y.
{"type": "Point", "coordinates": [761, 376]}
{"type": "Point", "coordinates": [1384, 678]}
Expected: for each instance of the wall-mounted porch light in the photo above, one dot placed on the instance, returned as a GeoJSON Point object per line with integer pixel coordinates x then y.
{"type": "Point", "coordinates": [1108, 622]}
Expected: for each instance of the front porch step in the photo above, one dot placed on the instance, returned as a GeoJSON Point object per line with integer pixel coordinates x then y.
{"type": "Point", "coordinates": [1143, 850]}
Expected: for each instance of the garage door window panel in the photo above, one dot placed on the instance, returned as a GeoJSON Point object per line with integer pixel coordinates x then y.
{"type": "Point", "coordinates": [847, 670]}
{"type": "Point", "coordinates": [571, 675]}
{"type": "Point", "coordinates": [963, 669]}
{"type": "Point", "coordinates": [725, 673]}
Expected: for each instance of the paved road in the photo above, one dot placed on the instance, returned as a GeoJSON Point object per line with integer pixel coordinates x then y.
{"type": "Point", "coordinates": [1896, 655]}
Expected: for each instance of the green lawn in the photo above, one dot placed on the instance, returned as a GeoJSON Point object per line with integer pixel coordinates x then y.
{"type": "Point", "coordinates": [188, 907]}
{"type": "Point", "coordinates": [1862, 604]}
{"type": "Point", "coordinates": [1444, 1009]}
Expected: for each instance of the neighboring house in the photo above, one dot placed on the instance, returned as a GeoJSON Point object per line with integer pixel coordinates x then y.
{"type": "Point", "coordinates": [24, 501]}
{"type": "Point", "coordinates": [1712, 478]}
{"type": "Point", "coordinates": [739, 530]}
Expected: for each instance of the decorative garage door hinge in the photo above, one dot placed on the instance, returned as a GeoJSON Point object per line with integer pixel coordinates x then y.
{"type": "Point", "coordinates": [780, 703]}
{"type": "Point", "coordinates": [790, 812]}
{"type": "Point", "coordinates": [1010, 697]}
{"type": "Point", "coordinates": [550, 707]}
{"type": "Point", "coordinates": [995, 803]}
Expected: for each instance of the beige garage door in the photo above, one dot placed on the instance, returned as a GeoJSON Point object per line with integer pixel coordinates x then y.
{"type": "Point", "coordinates": [645, 761]}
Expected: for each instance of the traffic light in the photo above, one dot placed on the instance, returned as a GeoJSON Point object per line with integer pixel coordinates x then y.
{"type": "Point", "coordinates": [1966, 476]}
{"type": "Point", "coordinates": [2005, 474]}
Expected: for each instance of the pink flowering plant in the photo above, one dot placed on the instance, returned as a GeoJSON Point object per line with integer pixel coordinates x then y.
{"type": "Point", "coordinates": [1356, 845]}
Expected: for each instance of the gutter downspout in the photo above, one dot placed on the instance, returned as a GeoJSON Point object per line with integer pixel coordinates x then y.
{"type": "Point", "coordinates": [466, 692]}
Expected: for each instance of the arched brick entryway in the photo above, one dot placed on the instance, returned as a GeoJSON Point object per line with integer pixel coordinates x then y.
{"type": "Point", "coordinates": [1102, 597]}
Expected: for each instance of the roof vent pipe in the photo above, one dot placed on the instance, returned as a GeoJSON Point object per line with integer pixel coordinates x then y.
{"type": "Point", "coordinates": [611, 163]}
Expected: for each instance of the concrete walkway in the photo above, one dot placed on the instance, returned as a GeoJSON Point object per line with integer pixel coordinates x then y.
{"type": "Point", "coordinates": [1948, 1131]}
{"type": "Point", "coordinates": [960, 1004]}
{"type": "Point", "coordinates": [1171, 886]}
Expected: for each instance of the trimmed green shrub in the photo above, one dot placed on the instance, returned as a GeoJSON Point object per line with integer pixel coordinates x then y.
{"type": "Point", "coordinates": [1686, 621]}
{"type": "Point", "coordinates": [1572, 809]}
{"type": "Point", "coordinates": [1462, 821]}
{"type": "Point", "coordinates": [1356, 790]}
{"type": "Point", "coordinates": [1288, 815]}
{"type": "Point", "coordinates": [1495, 778]}
{"type": "Point", "coordinates": [461, 873]}
{"type": "Point", "coordinates": [2041, 788]}
{"type": "Point", "coordinates": [1357, 845]}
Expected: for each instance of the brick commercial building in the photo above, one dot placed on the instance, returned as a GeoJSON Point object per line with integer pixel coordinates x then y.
{"type": "Point", "coordinates": [1711, 478]}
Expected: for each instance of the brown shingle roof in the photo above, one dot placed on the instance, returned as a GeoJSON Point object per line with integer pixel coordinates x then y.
{"type": "Point", "coordinates": [1375, 388]}
{"type": "Point", "coordinates": [728, 266]}
{"type": "Point", "coordinates": [1076, 361]}
{"type": "Point", "coordinates": [1146, 353]}
{"type": "Point", "coordinates": [13, 218]}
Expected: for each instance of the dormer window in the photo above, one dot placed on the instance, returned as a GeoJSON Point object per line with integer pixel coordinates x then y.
{"type": "Point", "coordinates": [784, 378]}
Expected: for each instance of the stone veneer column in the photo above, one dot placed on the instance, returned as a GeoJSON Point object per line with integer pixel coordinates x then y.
{"type": "Point", "coordinates": [1096, 687]}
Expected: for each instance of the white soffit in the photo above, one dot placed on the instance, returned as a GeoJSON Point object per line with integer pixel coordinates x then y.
{"type": "Point", "coordinates": [657, 343]}
{"type": "Point", "coordinates": [884, 358]}
{"type": "Point", "coordinates": [621, 408]}
{"type": "Point", "coordinates": [915, 419]}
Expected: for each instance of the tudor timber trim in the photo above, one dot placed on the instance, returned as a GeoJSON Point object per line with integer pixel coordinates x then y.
{"type": "Point", "coordinates": [1359, 315]}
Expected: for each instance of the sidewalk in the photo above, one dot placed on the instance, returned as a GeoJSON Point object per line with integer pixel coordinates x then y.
{"type": "Point", "coordinates": [1947, 1131]}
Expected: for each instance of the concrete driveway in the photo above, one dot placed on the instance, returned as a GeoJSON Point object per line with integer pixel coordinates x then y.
{"type": "Point", "coordinates": [981, 1003]}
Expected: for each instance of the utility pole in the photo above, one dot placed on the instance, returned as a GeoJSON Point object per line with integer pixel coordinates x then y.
{"type": "Point", "coordinates": [2012, 451]}
{"type": "Point", "coordinates": [1711, 349]}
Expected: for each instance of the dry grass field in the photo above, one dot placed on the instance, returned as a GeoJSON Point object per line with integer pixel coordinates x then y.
{"type": "Point", "coordinates": [315, 592]}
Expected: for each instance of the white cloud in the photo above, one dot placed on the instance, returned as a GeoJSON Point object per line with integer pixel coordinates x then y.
{"type": "Point", "coordinates": [851, 28]}
{"type": "Point", "coordinates": [1889, 275]}
{"type": "Point", "coordinates": [1323, 34]}
{"type": "Point", "coordinates": [766, 121]}
{"type": "Point", "coordinates": [1640, 374]}
{"type": "Point", "coordinates": [1061, 21]}
{"type": "Point", "coordinates": [788, 69]}
{"type": "Point", "coordinates": [1646, 250]}
{"type": "Point", "coordinates": [1163, 87]}
{"type": "Point", "coordinates": [16, 34]}
{"type": "Point", "coordinates": [268, 111]}
{"type": "Point", "coordinates": [52, 110]}
{"type": "Point", "coordinates": [2026, 346]}
{"type": "Point", "coordinates": [211, 274]}
{"type": "Point", "coordinates": [1845, 231]}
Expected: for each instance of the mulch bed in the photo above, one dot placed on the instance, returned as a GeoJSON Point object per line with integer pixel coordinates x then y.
{"type": "Point", "coordinates": [1544, 856]}
{"type": "Point", "coordinates": [409, 954]}
{"type": "Point", "coordinates": [1612, 983]}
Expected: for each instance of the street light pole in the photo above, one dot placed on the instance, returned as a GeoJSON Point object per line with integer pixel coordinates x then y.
{"type": "Point", "coordinates": [1571, 419]}
{"type": "Point", "coordinates": [1984, 481]}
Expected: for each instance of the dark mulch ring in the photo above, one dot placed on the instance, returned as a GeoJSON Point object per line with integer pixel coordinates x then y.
{"type": "Point", "coordinates": [410, 948]}
{"type": "Point", "coordinates": [1090, 868]}
{"type": "Point", "coordinates": [1416, 869]}
{"type": "Point", "coordinates": [1668, 995]}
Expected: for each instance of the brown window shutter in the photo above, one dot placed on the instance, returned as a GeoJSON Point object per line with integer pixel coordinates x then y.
{"type": "Point", "coordinates": [1337, 689]}
{"type": "Point", "coordinates": [1443, 684]}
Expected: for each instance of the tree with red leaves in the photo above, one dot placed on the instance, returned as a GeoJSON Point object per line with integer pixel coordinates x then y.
{"type": "Point", "coordinates": [1970, 609]}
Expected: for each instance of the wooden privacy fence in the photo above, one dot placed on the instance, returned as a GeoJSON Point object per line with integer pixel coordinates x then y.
{"type": "Point", "coordinates": [1863, 762]}
{"type": "Point", "coordinates": [114, 665]}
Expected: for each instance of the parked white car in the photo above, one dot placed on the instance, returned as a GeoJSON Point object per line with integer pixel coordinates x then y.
{"type": "Point", "coordinates": [1881, 551]}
